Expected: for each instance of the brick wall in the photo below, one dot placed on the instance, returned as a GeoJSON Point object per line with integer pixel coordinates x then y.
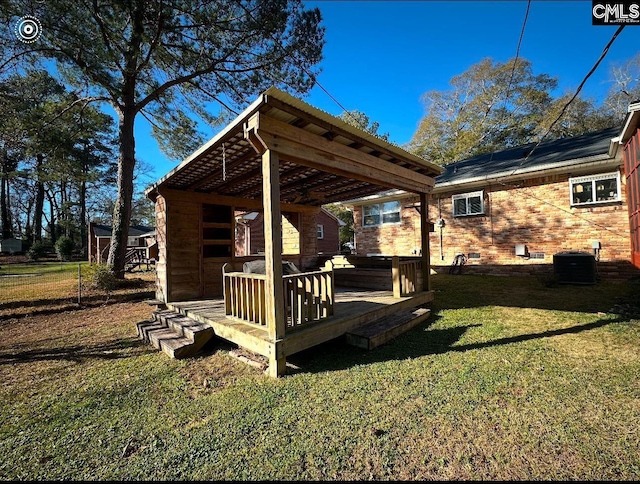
{"type": "Point", "coordinates": [330, 243]}
{"type": "Point", "coordinates": [537, 213]}
{"type": "Point", "coordinates": [390, 239]}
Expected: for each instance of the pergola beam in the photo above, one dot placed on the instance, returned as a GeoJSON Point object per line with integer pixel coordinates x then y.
{"type": "Point", "coordinates": [300, 146]}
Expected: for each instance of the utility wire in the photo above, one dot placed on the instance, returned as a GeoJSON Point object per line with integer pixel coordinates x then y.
{"type": "Point", "coordinates": [566, 106]}
{"type": "Point", "coordinates": [297, 61]}
{"type": "Point", "coordinates": [593, 69]}
{"type": "Point", "coordinates": [513, 71]}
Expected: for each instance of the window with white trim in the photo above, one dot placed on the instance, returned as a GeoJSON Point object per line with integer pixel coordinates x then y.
{"type": "Point", "coordinates": [381, 213]}
{"type": "Point", "coordinates": [320, 231]}
{"type": "Point", "coordinates": [465, 204]}
{"type": "Point", "coordinates": [587, 190]}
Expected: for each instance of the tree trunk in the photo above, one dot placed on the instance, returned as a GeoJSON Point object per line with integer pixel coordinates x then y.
{"type": "Point", "coordinates": [53, 214]}
{"type": "Point", "coordinates": [83, 215]}
{"type": "Point", "coordinates": [5, 219]}
{"type": "Point", "coordinates": [39, 204]}
{"type": "Point", "coordinates": [122, 208]}
{"type": "Point", "coordinates": [5, 216]}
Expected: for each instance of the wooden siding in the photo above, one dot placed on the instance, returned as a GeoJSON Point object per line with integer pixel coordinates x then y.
{"type": "Point", "coordinates": [185, 272]}
{"type": "Point", "coordinates": [631, 156]}
{"type": "Point", "coordinates": [330, 243]}
{"type": "Point", "coordinates": [162, 283]}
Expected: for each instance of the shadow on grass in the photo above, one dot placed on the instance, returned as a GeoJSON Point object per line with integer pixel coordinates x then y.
{"type": "Point", "coordinates": [67, 304]}
{"type": "Point", "coordinates": [468, 291]}
{"type": "Point", "coordinates": [79, 353]}
{"type": "Point", "coordinates": [418, 342]}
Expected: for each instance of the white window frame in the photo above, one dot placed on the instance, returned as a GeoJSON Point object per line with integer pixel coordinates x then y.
{"type": "Point", "coordinates": [381, 212]}
{"type": "Point", "coordinates": [594, 179]}
{"type": "Point", "coordinates": [466, 197]}
{"type": "Point", "coordinates": [320, 231]}
{"type": "Point", "coordinates": [133, 241]}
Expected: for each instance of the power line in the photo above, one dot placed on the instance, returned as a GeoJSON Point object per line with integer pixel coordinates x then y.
{"type": "Point", "coordinates": [513, 71]}
{"type": "Point", "coordinates": [300, 65]}
{"type": "Point", "coordinates": [564, 108]}
{"type": "Point", "coordinates": [515, 60]}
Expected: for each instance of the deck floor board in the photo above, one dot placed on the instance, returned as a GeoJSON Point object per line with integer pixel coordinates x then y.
{"type": "Point", "coordinates": [353, 307]}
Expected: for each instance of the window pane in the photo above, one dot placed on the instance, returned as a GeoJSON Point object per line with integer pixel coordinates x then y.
{"type": "Point", "coordinates": [606, 190]}
{"type": "Point", "coordinates": [390, 207]}
{"type": "Point", "coordinates": [371, 220]}
{"type": "Point", "coordinates": [372, 209]}
{"type": "Point", "coordinates": [460, 206]}
{"type": "Point", "coordinates": [391, 218]}
{"type": "Point", "coordinates": [582, 192]}
{"type": "Point", "coordinates": [391, 212]}
{"type": "Point", "coordinates": [475, 205]}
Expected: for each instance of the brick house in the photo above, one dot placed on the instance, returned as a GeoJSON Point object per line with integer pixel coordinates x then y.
{"type": "Point", "coordinates": [250, 233]}
{"type": "Point", "coordinates": [510, 211]}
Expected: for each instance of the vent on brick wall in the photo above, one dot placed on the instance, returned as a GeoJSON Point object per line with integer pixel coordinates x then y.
{"type": "Point", "coordinates": [536, 255]}
{"type": "Point", "coordinates": [474, 255]}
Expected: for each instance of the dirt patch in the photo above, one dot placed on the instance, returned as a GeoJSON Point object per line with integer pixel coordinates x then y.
{"type": "Point", "coordinates": [51, 344]}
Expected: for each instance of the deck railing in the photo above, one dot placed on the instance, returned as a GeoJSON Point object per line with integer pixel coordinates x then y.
{"type": "Point", "coordinates": [407, 276]}
{"type": "Point", "coordinates": [244, 296]}
{"type": "Point", "coordinates": [309, 297]}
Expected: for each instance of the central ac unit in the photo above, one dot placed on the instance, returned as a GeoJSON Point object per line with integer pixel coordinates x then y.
{"type": "Point", "coordinates": [575, 268]}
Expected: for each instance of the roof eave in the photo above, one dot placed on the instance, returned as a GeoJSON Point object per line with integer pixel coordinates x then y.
{"type": "Point", "coordinates": [630, 123]}
{"type": "Point", "coordinates": [234, 125]}
{"type": "Point", "coordinates": [596, 161]}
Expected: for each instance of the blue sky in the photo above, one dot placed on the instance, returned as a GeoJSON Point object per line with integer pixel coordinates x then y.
{"type": "Point", "coordinates": [381, 56]}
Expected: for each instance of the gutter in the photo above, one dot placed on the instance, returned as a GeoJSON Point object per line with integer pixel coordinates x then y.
{"type": "Point", "coordinates": [596, 161]}
{"type": "Point", "coordinates": [627, 130]}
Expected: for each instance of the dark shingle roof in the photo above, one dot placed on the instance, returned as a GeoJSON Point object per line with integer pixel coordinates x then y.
{"type": "Point", "coordinates": [134, 230]}
{"type": "Point", "coordinates": [549, 154]}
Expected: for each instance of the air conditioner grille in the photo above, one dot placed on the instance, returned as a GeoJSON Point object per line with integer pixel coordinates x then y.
{"type": "Point", "coordinates": [575, 267]}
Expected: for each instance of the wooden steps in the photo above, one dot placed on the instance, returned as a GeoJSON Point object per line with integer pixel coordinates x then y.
{"type": "Point", "coordinates": [386, 328]}
{"type": "Point", "coordinates": [175, 334]}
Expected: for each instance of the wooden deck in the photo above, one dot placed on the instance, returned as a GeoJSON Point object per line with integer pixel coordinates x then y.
{"type": "Point", "coordinates": [353, 308]}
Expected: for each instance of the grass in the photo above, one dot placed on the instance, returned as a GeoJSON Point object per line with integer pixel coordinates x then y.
{"type": "Point", "coordinates": [508, 380]}
{"type": "Point", "coordinates": [48, 284]}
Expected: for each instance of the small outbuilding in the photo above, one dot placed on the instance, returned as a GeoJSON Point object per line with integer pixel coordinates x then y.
{"type": "Point", "coordinates": [11, 246]}
{"type": "Point", "coordinates": [141, 238]}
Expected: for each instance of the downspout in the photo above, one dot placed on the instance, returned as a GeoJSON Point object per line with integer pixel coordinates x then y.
{"type": "Point", "coordinates": [440, 227]}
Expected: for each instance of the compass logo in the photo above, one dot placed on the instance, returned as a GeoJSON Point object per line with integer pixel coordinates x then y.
{"type": "Point", "coordinates": [28, 29]}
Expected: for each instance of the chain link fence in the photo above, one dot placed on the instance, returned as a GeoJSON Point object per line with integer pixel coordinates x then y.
{"type": "Point", "coordinates": [24, 286]}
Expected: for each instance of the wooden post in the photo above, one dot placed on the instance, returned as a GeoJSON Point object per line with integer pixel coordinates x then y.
{"type": "Point", "coordinates": [274, 291]}
{"type": "Point", "coordinates": [395, 274]}
{"type": "Point", "coordinates": [424, 231]}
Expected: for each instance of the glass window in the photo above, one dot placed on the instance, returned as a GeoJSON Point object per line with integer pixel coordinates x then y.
{"type": "Point", "coordinates": [371, 215]}
{"type": "Point", "coordinates": [321, 231]}
{"type": "Point", "coordinates": [468, 204]}
{"type": "Point", "coordinates": [391, 212]}
{"type": "Point", "coordinates": [595, 189]}
{"type": "Point", "coordinates": [381, 213]}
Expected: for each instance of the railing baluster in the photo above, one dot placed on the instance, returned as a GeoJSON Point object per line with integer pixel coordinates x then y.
{"type": "Point", "coordinates": [309, 297]}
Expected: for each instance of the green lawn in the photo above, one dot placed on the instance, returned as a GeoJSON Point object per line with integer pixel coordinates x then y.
{"type": "Point", "coordinates": [507, 380]}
